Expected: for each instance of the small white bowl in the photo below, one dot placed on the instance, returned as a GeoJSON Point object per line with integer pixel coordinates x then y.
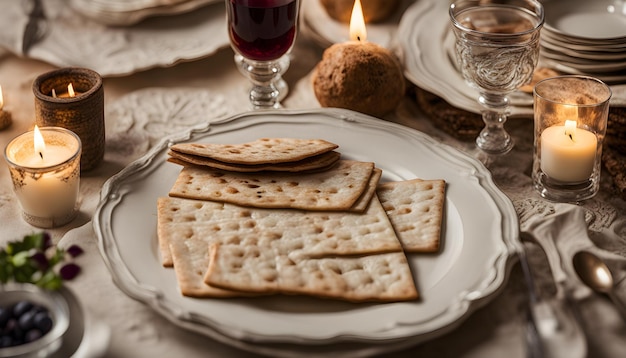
{"type": "Point", "coordinates": [57, 307]}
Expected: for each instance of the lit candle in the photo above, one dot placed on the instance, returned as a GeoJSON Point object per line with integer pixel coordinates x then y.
{"type": "Point", "coordinates": [45, 168]}
{"type": "Point", "coordinates": [5, 116]}
{"type": "Point", "coordinates": [69, 94]}
{"type": "Point", "coordinates": [568, 153]}
{"type": "Point", "coordinates": [359, 75]}
{"type": "Point", "coordinates": [358, 31]}
{"type": "Point", "coordinates": [73, 98]}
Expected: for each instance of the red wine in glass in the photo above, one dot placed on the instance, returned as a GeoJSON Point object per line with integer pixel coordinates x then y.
{"type": "Point", "coordinates": [262, 30]}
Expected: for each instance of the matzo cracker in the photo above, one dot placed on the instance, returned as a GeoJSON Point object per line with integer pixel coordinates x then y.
{"type": "Point", "coordinates": [335, 189]}
{"type": "Point", "coordinates": [415, 209]}
{"type": "Point", "coordinates": [253, 269]}
{"type": "Point", "coordinates": [318, 162]}
{"type": "Point", "coordinates": [188, 227]}
{"type": "Point", "coordinates": [260, 151]}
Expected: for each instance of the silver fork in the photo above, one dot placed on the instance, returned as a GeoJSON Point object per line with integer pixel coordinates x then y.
{"type": "Point", "coordinates": [37, 25]}
{"type": "Point", "coordinates": [556, 321]}
{"type": "Point", "coordinates": [534, 346]}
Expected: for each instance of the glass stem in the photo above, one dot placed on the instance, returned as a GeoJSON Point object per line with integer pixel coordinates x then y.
{"type": "Point", "coordinates": [263, 75]}
{"type": "Point", "coordinates": [494, 139]}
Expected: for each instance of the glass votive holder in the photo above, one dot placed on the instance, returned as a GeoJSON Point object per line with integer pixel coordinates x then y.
{"type": "Point", "coordinates": [570, 115]}
{"type": "Point", "coordinates": [45, 169]}
{"type": "Point", "coordinates": [79, 108]}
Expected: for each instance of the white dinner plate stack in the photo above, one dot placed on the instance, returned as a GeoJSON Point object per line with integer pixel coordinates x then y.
{"type": "Point", "coordinates": [129, 12]}
{"type": "Point", "coordinates": [586, 37]}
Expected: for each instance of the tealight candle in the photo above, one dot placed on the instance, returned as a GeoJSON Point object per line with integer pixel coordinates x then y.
{"type": "Point", "coordinates": [45, 169]}
{"type": "Point", "coordinates": [5, 116]}
{"type": "Point", "coordinates": [570, 125]}
{"type": "Point", "coordinates": [69, 94]}
{"type": "Point", "coordinates": [73, 98]}
{"type": "Point", "coordinates": [568, 153]}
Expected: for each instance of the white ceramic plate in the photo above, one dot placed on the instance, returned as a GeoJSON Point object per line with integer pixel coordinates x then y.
{"type": "Point", "coordinates": [75, 40]}
{"type": "Point", "coordinates": [327, 31]}
{"type": "Point", "coordinates": [426, 39]}
{"type": "Point", "coordinates": [617, 78]}
{"type": "Point", "coordinates": [590, 20]}
{"type": "Point", "coordinates": [575, 43]}
{"type": "Point", "coordinates": [479, 240]}
{"type": "Point", "coordinates": [582, 52]}
{"type": "Point", "coordinates": [129, 13]}
{"type": "Point", "coordinates": [590, 67]}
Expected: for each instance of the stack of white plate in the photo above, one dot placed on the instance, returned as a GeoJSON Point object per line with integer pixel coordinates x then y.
{"type": "Point", "coordinates": [129, 12]}
{"type": "Point", "coordinates": [586, 37]}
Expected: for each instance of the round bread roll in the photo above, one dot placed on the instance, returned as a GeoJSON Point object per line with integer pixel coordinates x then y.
{"type": "Point", "coordinates": [373, 10]}
{"type": "Point", "coordinates": [359, 76]}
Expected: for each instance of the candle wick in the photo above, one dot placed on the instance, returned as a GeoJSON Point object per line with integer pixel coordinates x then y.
{"type": "Point", "coordinates": [358, 38]}
{"type": "Point", "coordinates": [41, 155]}
{"type": "Point", "coordinates": [571, 137]}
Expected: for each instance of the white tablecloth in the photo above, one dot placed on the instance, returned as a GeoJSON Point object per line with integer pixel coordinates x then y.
{"type": "Point", "coordinates": [137, 107]}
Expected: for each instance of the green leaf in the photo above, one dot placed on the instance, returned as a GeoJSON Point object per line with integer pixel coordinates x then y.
{"type": "Point", "coordinates": [20, 259]}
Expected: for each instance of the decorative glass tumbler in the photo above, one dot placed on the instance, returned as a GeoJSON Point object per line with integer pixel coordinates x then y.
{"type": "Point", "coordinates": [45, 169]}
{"type": "Point", "coordinates": [570, 125]}
{"type": "Point", "coordinates": [497, 49]}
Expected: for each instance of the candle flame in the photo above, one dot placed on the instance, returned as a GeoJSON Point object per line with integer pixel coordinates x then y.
{"type": "Point", "coordinates": [570, 129]}
{"type": "Point", "coordinates": [357, 23]}
{"type": "Point", "coordinates": [70, 90]}
{"type": "Point", "coordinates": [40, 144]}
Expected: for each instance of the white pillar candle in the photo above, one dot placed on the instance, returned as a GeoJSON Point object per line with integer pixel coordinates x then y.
{"type": "Point", "coordinates": [568, 153]}
{"type": "Point", "coordinates": [46, 175]}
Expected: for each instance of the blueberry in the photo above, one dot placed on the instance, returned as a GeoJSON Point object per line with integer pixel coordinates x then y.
{"type": "Point", "coordinates": [6, 341]}
{"type": "Point", "coordinates": [43, 322]}
{"type": "Point", "coordinates": [32, 335]}
{"type": "Point", "coordinates": [5, 314]}
{"type": "Point", "coordinates": [17, 331]}
{"type": "Point", "coordinates": [27, 320]}
{"type": "Point", "coordinates": [23, 322]}
{"type": "Point", "coordinates": [21, 307]}
{"type": "Point", "coordinates": [10, 326]}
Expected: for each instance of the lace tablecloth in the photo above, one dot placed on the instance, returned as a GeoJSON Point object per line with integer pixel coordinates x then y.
{"type": "Point", "coordinates": [144, 107]}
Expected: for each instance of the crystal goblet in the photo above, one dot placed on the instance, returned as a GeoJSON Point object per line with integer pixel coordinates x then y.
{"type": "Point", "coordinates": [262, 32]}
{"type": "Point", "coordinates": [497, 48]}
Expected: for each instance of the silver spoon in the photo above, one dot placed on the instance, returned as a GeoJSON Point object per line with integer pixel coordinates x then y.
{"type": "Point", "coordinates": [594, 273]}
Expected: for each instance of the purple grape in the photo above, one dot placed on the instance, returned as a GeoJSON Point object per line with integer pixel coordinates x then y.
{"type": "Point", "coordinates": [41, 260]}
{"type": "Point", "coordinates": [74, 250]}
{"type": "Point", "coordinates": [69, 271]}
{"type": "Point", "coordinates": [47, 240]}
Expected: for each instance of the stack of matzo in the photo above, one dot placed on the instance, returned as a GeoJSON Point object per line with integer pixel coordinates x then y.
{"type": "Point", "coordinates": [275, 154]}
{"type": "Point", "coordinates": [241, 233]}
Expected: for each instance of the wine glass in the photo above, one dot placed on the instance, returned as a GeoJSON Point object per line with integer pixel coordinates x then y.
{"type": "Point", "coordinates": [262, 33]}
{"type": "Point", "coordinates": [497, 48]}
